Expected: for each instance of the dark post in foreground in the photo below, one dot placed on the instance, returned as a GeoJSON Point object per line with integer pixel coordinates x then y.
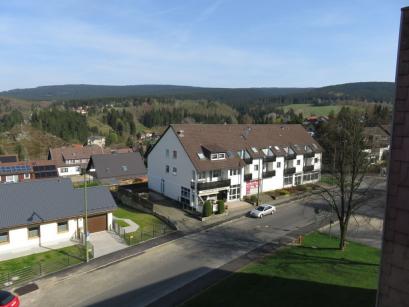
{"type": "Point", "coordinates": [394, 273]}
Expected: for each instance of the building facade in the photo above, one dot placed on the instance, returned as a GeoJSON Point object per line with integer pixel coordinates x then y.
{"type": "Point", "coordinates": [195, 163]}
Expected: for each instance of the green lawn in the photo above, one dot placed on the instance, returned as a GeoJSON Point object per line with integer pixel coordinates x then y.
{"type": "Point", "coordinates": [31, 266]}
{"type": "Point", "coordinates": [149, 225]}
{"type": "Point", "coordinates": [122, 223]}
{"type": "Point", "coordinates": [308, 109]}
{"type": "Point", "coordinates": [327, 179]}
{"type": "Point", "coordinates": [315, 274]}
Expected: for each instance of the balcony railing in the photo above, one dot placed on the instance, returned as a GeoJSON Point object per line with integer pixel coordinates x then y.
{"type": "Point", "coordinates": [248, 177]}
{"type": "Point", "coordinates": [269, 159]}
{"type": "Point", "coordinates": [289, 171]}
{"type": "Point", "coordinates": [308, 168]}
{"type": "Point", "coordinates": [290, 156]}
{"type": "Point", "coordinates": [309, 155]}
{"type": "Point", "coordinates": [269, 174]}
{"type": "Point", "coordinates": [248, 160]}
{"type": "Point", "coordinates": [213, 185]}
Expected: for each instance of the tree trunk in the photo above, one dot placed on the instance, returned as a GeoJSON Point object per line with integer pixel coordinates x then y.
{"type": "Point", "coordinates": [342, 235]}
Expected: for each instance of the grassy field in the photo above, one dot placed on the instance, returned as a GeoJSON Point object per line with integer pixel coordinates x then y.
{"type": "Point", "coordinates": [307, 109]}
{"type": "Point", "coordinates": [315, 274]}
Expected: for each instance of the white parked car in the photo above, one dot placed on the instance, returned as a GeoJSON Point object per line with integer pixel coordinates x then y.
{"type": "Point", "coordinates": [262, 210]}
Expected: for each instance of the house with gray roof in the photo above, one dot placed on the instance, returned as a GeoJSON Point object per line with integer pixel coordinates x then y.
{"type": "Point", "coordinates": [118, 168]}
{"type": "Point", "coordinates": [50, 211]}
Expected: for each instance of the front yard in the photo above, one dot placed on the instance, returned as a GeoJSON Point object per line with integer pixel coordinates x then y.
{"type": "Point", "coordinates": [27, 267]}
{"type": "Point", "coordinates": [315, 274]}
{"type": "Point", "coordinates": [149, 225]}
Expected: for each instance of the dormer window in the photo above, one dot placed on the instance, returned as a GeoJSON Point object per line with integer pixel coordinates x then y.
{"type": "Point", "coordinates": [254, 149]}
{"type": "Point", "coordinates": [217, 156]}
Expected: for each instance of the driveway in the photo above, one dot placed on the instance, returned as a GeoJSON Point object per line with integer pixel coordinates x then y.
{"type": "Point", "coordinates": [105, 242]}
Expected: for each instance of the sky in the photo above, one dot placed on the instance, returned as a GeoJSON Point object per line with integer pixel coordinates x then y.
{"type": "Point", "coordinates": [217, 43]}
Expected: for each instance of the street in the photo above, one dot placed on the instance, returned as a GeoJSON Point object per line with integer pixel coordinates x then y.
{"type": "Point", "coordinates": [141, 280]}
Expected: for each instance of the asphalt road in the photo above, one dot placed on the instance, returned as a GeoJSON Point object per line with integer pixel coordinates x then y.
{"type": "Point", "coordinates": [159, 271]}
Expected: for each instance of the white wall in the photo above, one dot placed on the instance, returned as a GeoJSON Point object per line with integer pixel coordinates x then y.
{"type": "Point", "coordinates": [157, 162]}
{"type": "Point", "coordinates": [18, 238]}
{"type": "Point", "coordinates": [72, 171]}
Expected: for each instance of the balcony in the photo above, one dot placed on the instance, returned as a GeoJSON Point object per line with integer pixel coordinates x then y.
{"type": "Point", "coordinates": [248, 177]}
{"type": "Point", "coordinates": [248, 160]}
{"type": "Point", "coordinates": [308, 168]}
{"type": "Point", "coordinates": [269, 174]}
{"type": "Point", "coordinates": [213, 185]}
{"type": "Point", "coordinates": [290, 156]}
{"type": "Point", "coordinates": [309, 155]}
{"type": "Point", "coordinates": [269, 159]}
{"type": "Point", "coordinates": [289, 171]}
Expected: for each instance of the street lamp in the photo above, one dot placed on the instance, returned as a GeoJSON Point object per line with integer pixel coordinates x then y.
{"type": "Point", "coordinates": [85, 221]}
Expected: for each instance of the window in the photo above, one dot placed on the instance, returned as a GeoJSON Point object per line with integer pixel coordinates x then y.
{"type": "Point", "coordinates": [62, 227]}
{"type": "Point", "coordinates": [26, 176]}
{"type": "Point", "coordinates": [222, 156]}
{"type": "Point", "coordinates": [298, 162]}
{"type": "Point", "coordinates": [213, 157]}
{"type": "Point", "coordinates": [234, 172]}
{"type": "Point", "coordinates": [124, 168]}
{"type": "Point", "coordinates": [174, 170]}
{"type": "Point", "coordinates": [288, 180]}
{"type": "Point", "coordinates": [175, 154]}
{"type": "Point", "coordinates": [256, 167]}
{"type": "Point", "coordinates": [185, 196]}
{"type": "Point", "coordinates": [167, 153]}
{"type": "Point", "coordinates": [297, 179]}
{"type": "Point", "coordinates": [311, 176]}
{"type": "Point", "coordinates": [4, 237]}
{"type": "Point", "coordinates": [278, 164]}
{"type": "Point", "coordinates": [254, 149]}
{"type": "Point", "coordinates": [33, 232]}
{"type": "Point", "coordinates": [167, 168]}
{"type": "Point", "coordinates": [315, 160]}
{"type": "Point", "coordinates": [234, 192]}
{"type": "Point", "coordinates": [216, 173]}
{"type": "Point", "coordinates": [201, 175]}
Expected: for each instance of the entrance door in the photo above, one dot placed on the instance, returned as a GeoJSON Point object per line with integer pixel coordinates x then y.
{"type": "Point", "coordinates": [162, 186]}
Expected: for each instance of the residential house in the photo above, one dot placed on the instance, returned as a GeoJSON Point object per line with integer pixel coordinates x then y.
{"type": "Point", "coordinates": [378, 140]}
{"type": "Point", "coordinates": [96, 140]}
{"type": "Point", "coordinates": [50, 211]}
{"type": "Point", "coordinates": [118, 168]}
{"type": "Point", "coordinates": [72, 160]}
{"type": "Point", "coordinates": [13, 172]}
{"type": "Point", "coordinates": [191, 163]}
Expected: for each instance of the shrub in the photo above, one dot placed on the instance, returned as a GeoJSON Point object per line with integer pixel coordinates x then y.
{"type": "Point", "coordinates": [207, 208]}
{"type": "Point", "coordinates": [284, 192]}
{"type": "Point", "coordinates": [250, 199]}
{"type": "Point", "coordinates": [220, 206]}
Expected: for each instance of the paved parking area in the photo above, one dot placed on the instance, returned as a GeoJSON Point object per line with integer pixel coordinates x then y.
{"type": "Point", "coordinates": [105, 242]}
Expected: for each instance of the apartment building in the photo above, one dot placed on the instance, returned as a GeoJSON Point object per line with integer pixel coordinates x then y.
{"type": "Point", "coordinates": [192, 163]}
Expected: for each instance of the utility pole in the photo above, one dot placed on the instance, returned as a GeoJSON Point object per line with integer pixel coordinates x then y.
{"type": "Point", "coordinates": [85, 221]}
{"type": "Point", "coordinates": [258, 183]}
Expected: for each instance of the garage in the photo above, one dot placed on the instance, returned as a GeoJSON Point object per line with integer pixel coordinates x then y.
{"type": "Point", "coordinates": [97, 223]}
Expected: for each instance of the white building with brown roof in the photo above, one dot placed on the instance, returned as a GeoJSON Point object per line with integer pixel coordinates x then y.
{"type": "Point", "coordinates": [191, 163]}
{"type": "Point", "coordinates": [71, 160]}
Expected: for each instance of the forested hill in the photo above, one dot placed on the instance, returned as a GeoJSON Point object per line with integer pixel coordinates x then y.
{"type": "Point", "coordinates": [369, 91]}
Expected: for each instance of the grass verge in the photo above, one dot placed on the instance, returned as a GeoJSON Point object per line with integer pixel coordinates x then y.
{"type": "Point", "coordinates": [315, 274]}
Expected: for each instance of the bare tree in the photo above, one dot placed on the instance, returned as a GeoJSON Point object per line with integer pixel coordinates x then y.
{"type": "Point", "coordinates": [347, 161]}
